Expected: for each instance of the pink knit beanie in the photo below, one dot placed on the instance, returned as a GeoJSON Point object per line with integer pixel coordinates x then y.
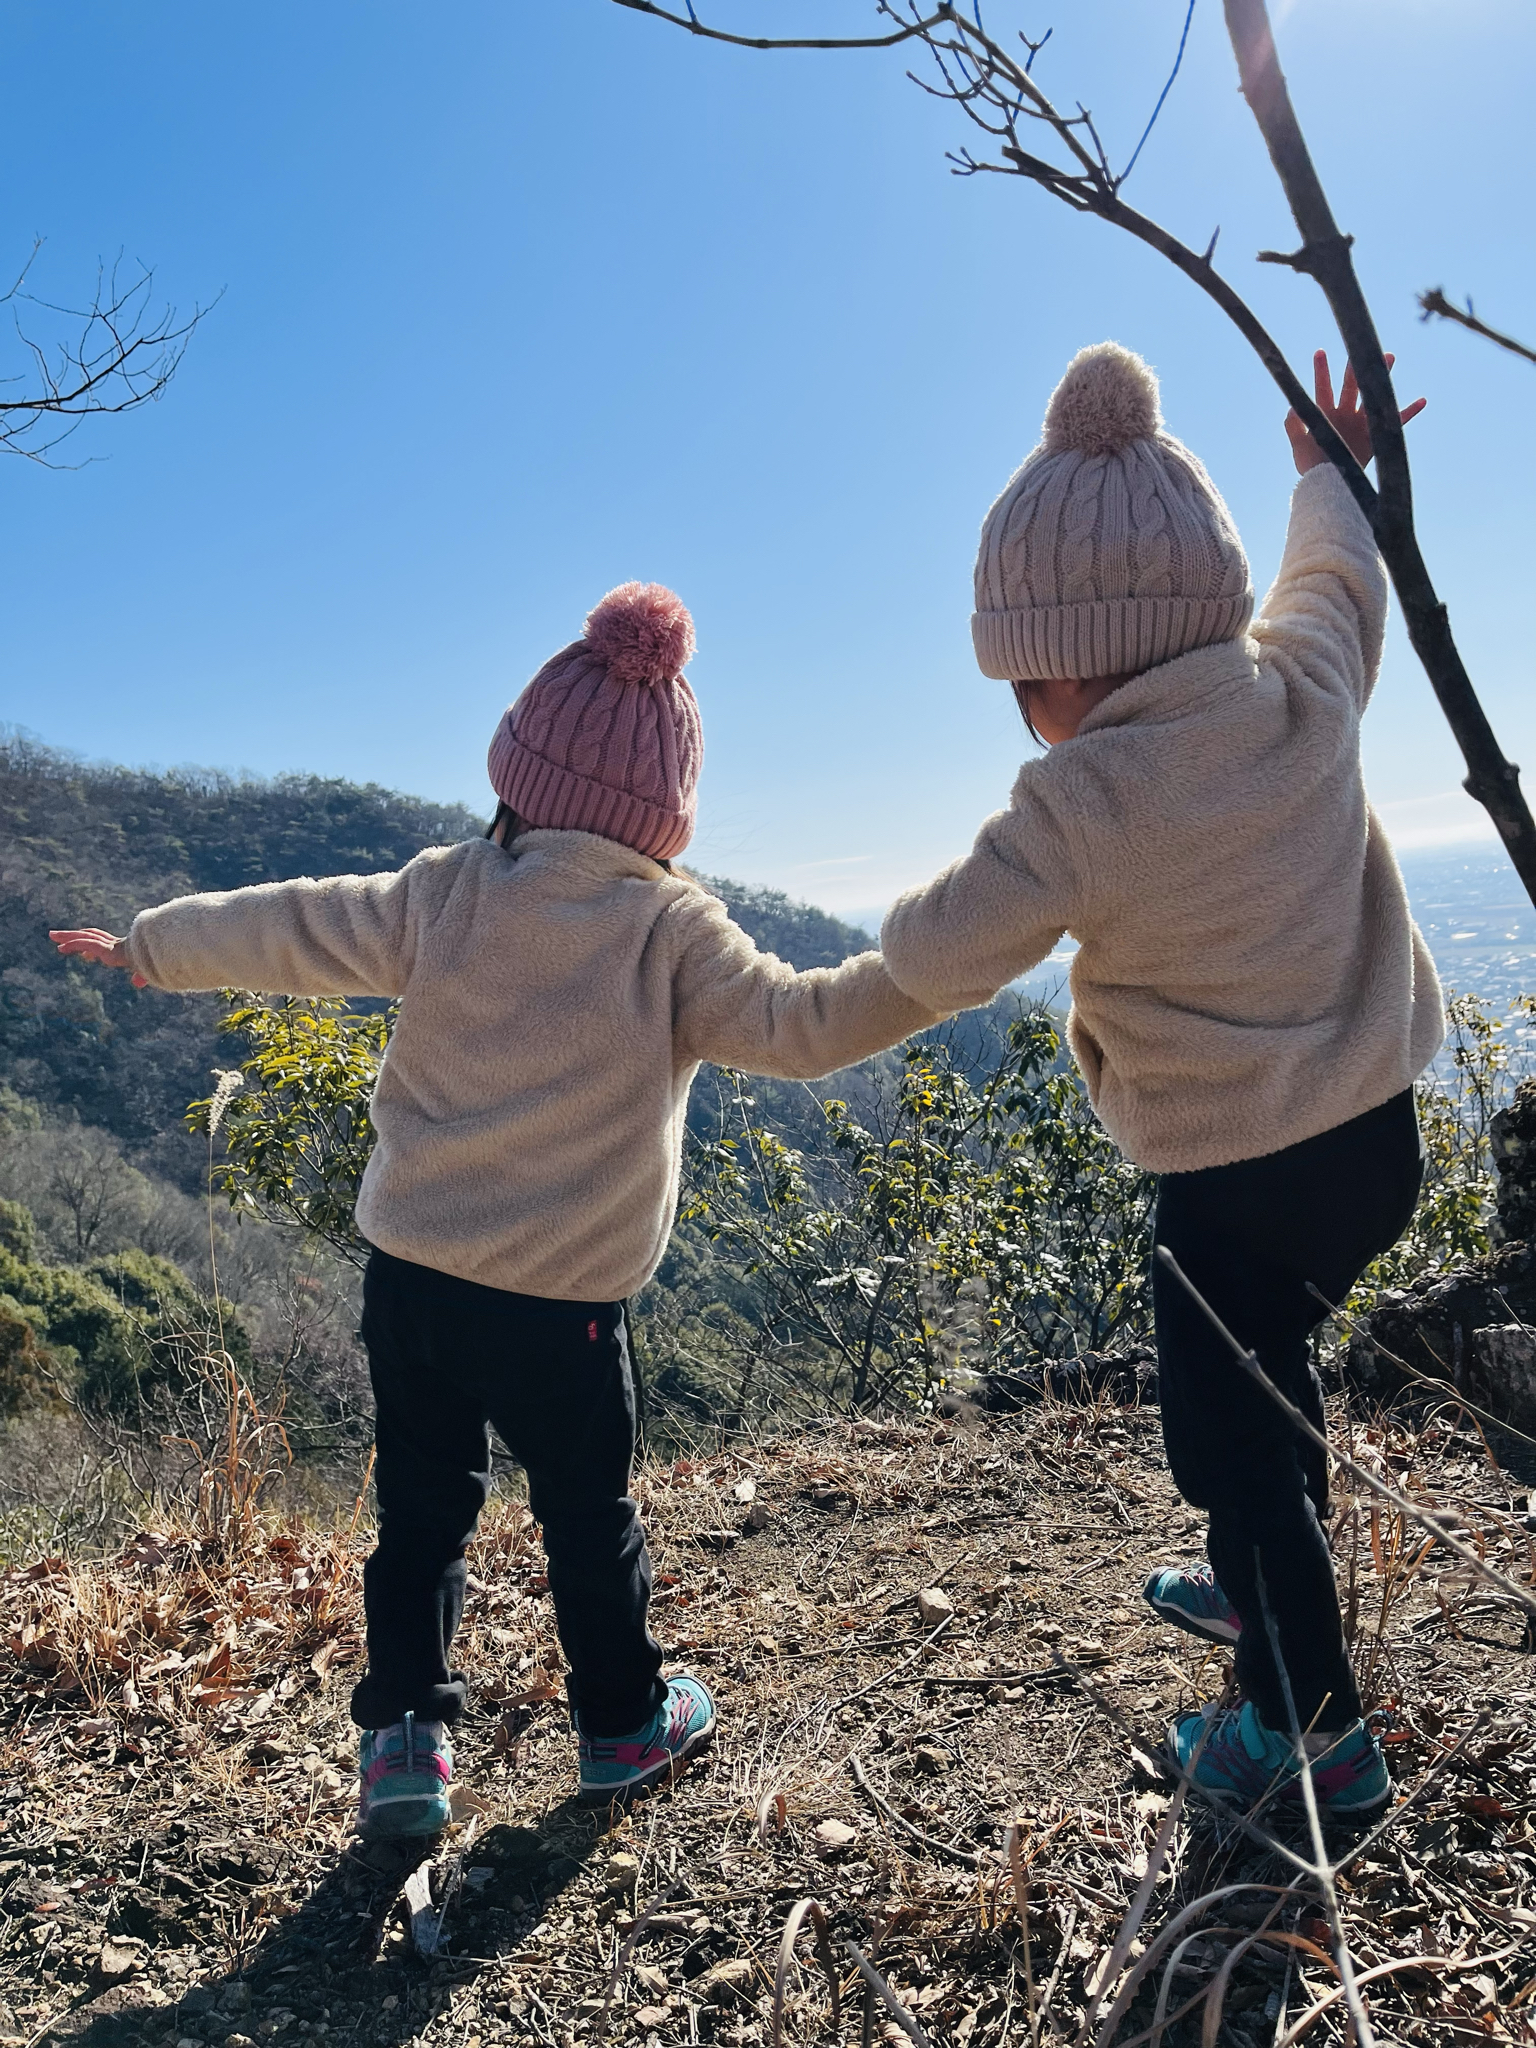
{"type": "Point", "coordinates": [606, 738]}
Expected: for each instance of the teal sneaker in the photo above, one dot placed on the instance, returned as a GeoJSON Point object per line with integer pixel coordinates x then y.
{"type": "Point", "coordinates": [1194, 1600]}
{"type": "Point", "coordinates": [1243, 1761]}
{"type": "Point", "coordinates": [614, 1767]}
{"type": "Point", "coordinates": [404, 1774]}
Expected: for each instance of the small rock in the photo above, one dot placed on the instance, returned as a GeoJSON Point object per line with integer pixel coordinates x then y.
{"type": "Point", "coordinates": [931, 1760]}
{"type": "Point", "coordinates": [832, 1837]}
{"type": "Point", "coordinates": [622, 1872]}
{"type": "Point", "coordinates": [759, 1515]}
{"type": "Point", "coordinates": [934, 1605]}
{"type": "Point", "coordinates": [650, 2016]}
{"type": "Point", "coordinates": [119, 1955]}
{"type": "Point", "coordinates": [728, 1981]}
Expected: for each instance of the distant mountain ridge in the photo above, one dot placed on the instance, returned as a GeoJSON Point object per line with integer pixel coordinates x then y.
{"type": "Point", "coordinates": [85, 842]}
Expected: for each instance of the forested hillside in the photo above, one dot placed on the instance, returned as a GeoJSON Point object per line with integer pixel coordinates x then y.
{"type": "Point", "coordinates": [91, 843]}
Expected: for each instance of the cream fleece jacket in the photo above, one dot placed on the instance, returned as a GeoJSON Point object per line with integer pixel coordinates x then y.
{"type": "Point", "coordinates": [1248, 974]}
{"type": "Point", "coordinates": [557, 1000]}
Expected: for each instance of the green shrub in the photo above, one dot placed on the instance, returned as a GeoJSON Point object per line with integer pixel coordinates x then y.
{"type": "Point", "coordinates": [28, 1371]}
{"type": "Point", "coordinates": [18, 1230]}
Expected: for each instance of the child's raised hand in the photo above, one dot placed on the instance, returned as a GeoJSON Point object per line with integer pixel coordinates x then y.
{"type": "Point", "coordinates": [99, 946]}
{"type": "Point", "coordinates": [1346, 417]}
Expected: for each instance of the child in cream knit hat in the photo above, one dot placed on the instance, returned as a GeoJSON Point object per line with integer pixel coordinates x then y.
{"type": "Point", "coordinates": [1251, 1002]}
{"type": "Point", "coordinates": [559, 988]}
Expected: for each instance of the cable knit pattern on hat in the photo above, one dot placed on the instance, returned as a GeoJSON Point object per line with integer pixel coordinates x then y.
{"type": "Point", "coordinates": [606, 738]}
{"type": "Point", "coordinates": [1110, 551]}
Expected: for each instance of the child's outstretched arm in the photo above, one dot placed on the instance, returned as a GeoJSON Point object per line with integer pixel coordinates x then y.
{"type": "Point", "coordinates": [742, 1008]}
{"type": "Point", "coordinates": [1327, 607]}
{"type": "Point", "coordinates": [990, 917]}
{"type": "Point", "coordinates": [350, 935]}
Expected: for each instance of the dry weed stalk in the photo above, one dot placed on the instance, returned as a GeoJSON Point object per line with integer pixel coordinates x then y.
{"type": "Point", "coordinates": [802, 1910]}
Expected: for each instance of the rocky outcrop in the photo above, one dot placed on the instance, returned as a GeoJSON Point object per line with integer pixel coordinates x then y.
{"type": "Point", "coordinates": [1473, 1327]}
{"type": "Point", "coordinates": [1513, 1140]}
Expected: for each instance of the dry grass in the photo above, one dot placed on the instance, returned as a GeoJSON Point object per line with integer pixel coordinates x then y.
{"type": "Point", "coordinates": [180, 1792]}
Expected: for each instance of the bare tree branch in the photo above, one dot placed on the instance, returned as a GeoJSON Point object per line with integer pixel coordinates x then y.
{"type": "Point", "coordinates": [1325, 256]}
{"type": "Point", "coordinates": [993, 87]}
{"type": "Point", "coordinates": [1435, 302]}
{"type": "Point", "coordinates": [121, 355]}
{"type": "Point", "coordinates": [690, 21]}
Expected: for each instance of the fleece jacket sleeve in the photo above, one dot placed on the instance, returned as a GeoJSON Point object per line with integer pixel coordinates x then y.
{"type": "Point", "coordinates": [353, 935]}
{"type": "Point", "coordinates": [1327, 608]}
{"type": "Point", "coordinates": [742, 1008]}
{"type": "Point", "coordinates": [988, 918]}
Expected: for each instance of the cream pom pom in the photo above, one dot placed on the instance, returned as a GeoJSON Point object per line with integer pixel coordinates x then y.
{"type": "Point", "coordinates": [1107, 399]}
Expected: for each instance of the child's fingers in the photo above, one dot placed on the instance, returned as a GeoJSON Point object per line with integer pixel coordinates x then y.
{"type": "Point", "coordinates": [1322, 381]}
{"type": "Point", "coordinates": [1413, 411]}
{"type": "Point", "coordinates": [1349, 397]}
{"type": "Point", "coordinates": [90, 945]}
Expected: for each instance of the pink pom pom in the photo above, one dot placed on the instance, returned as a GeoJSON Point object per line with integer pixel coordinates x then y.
{"type": "Point", "coordinates": [642, 633]}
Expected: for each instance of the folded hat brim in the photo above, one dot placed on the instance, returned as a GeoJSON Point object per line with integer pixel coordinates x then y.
{"type": "Point", "coordinates": [1110, 637]}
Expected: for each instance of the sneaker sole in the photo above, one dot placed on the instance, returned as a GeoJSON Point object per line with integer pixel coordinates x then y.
{"type": "Point", "coordinates": [604, 1795]}
{"type": "Point", "coordinates": [1235, 1802]}
{"type": "Point", "coordinates": [403, 1817]}
{"type": "Point", "coordinates": [1208, 1631]}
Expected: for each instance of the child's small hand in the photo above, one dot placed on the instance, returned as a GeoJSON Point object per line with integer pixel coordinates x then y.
{"type": "Point", "coordinates": [98, 946]}
{"type": "Point", "coordinates": [1346, 417]}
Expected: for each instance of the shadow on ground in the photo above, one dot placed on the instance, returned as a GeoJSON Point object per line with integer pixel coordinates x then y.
{"type": "Point", "coordinates": [342, 1963]}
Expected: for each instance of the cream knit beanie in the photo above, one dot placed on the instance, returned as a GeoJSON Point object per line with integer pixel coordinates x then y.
{"type": "Point", "coordinates": [1111, 550]}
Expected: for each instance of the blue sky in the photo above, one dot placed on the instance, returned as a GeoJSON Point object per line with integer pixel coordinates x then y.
{"type": "Point", "coordinates": [525, 297]}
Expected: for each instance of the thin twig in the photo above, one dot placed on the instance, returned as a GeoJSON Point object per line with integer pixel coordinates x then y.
{"type": "Point", "coordinates": [1363, 2034]}
{"type": "Point", "coordinates": [1189, 16]}
{"type": "Point", "coordinates": [1435, 302]}
{"type": "Point", "coordinates": [1137, 1910]}
{"type": "Point", "coordinates": [1250, 1364]}
{"type": "Point", "coordinates": [883, 1991]}
{"type": "Point", "coordinates": [970, 1858]}
{"type": "Point", "coordinates": [695, 27]}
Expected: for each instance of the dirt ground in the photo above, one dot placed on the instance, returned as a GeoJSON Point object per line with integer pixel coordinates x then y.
{"type": "Point", "coordinates": [940, 1700]}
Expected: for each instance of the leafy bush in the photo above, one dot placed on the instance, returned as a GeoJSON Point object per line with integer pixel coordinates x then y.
{"type": "Point", "coordinates": [119, 1330]}
{"type": "Point", "coordinates": [975, 1221]}
{"type": "Point", "coordinates": [28, 1372]}
{"type": "Point", "coordinates": [297, 1138]}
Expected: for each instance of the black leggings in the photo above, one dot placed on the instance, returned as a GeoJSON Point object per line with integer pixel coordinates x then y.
{"type": "Point", "coordinates": [448, 1356]}
{"type": "Point", "coordinates": [1250, 1237]}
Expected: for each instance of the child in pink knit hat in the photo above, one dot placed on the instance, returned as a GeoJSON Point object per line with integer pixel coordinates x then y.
{"type": "Point", "coordinates": [559, 986]}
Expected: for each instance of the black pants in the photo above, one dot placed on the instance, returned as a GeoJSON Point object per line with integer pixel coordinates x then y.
{"type": "Point", "coordinates": [447, 1357]}
{"type": "Point", "coordinates": [1250, 1237]}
